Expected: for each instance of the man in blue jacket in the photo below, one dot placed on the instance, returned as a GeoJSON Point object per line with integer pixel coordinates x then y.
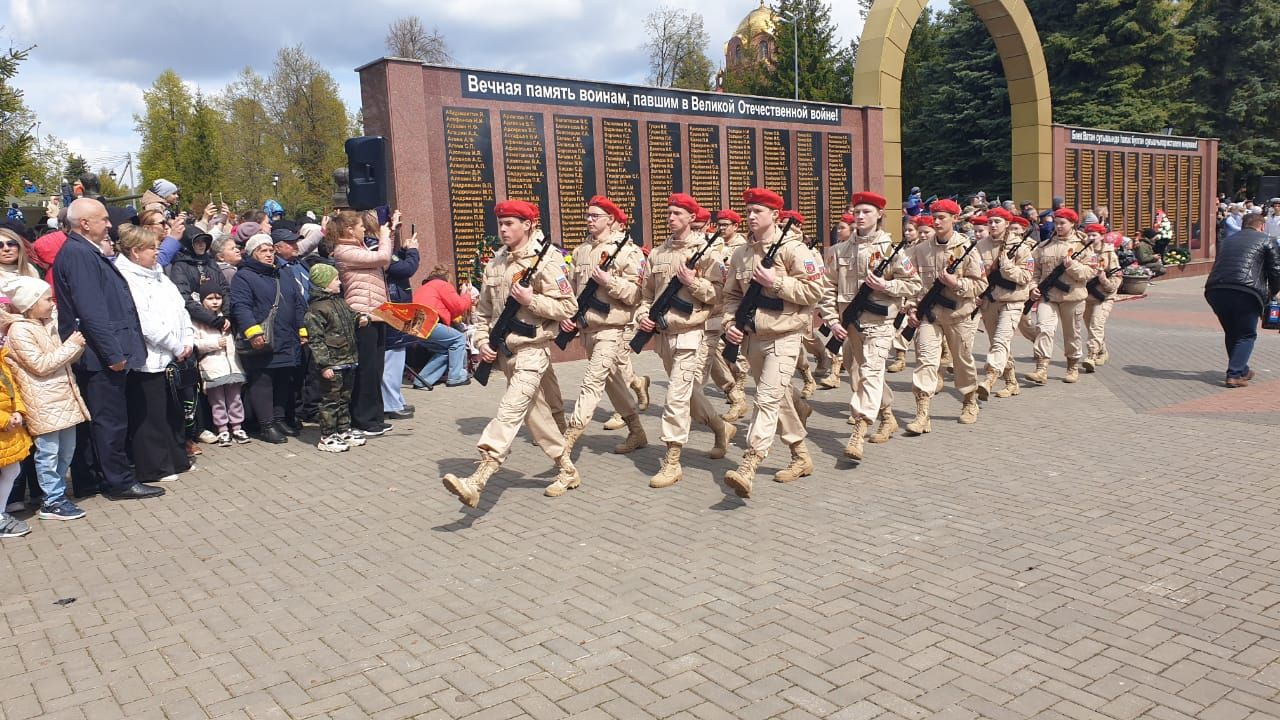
{"type": "Point", "coordinates": [94, 298]}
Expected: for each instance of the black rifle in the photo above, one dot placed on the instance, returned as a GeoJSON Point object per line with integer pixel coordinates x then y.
{"type": "Point", "coordinates": [862, 301]}
{"type": "Point", "coordinates": [587, 299]}
{"type": "Point", "coordinates": [994, 278]}
{"type": "Point", "coordinates": [745, 317]}
{"type": "Point", "coordinates": [507, 322]}
{"type": "Point", "coordinates": [658, 310]}
{"type": "Point", "coordinates": [1053, 280]}
{"type": "Point", "coordinates": [924, 311]}
{"type": "Point", "coordinates": [1092, 285]}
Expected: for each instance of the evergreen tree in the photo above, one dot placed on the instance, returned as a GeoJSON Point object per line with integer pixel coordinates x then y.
{"type": "Point", "coordinates": [163, 126]}
{"type": "Point", "coordinates": [313, 124]}
{"type": "Point", "coordinates": [1235, 96]}
{"type": "Point", "coordinates": [251, 148]}
{"type": "Point", "coordinates": [200, 158]}
{"type": "Point", "coordinates": [76, 166]}
{"type": "Point", "coordinates": [809, 22]}
{"type": "Point", "coordinates": [16, 123]}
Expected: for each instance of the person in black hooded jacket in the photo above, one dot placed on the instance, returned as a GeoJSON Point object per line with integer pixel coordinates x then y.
{"type": "Point", "coordinates": [1244, 279]}
{"type": "Point", "coordinates": [192, 267]}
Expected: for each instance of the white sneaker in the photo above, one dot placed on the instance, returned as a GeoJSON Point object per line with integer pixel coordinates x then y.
{"type": "Point", "coordinates": [331, 443]}
{"type": "Point", "coordinates": [352, 439]}
{"type": "Point", "coordinates": [207, 437]}
{"type": "Point", "coordinates": [171, 478]}
{"type": "Point", "coordinates": [224, 439]}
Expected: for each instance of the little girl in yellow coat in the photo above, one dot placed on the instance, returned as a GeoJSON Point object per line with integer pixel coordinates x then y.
{"type": "Point", "coordinates": [15, 445]}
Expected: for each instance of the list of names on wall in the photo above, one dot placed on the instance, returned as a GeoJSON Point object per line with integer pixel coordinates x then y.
{"type": "Point", "coordinates": [524, 156]}
{"type": "Point", "coordinates": [666, 174]}
{"type": "Point", "coordinates": [839, 174]}
{"type": "Point", "coordinates": [777, 163]}
{"type": "Point", "coordinates": [742, 164]}
{"type": "Point", "coordinates": [575, 150]}
{"type": "Point", "coordinates": [622, 169]}
{"type": "Point", "coordinates": [809, 183]}
{"type": "Point", "coordinates": [468, 150]}
{"type": "Point", "coordinates": [704, 166]}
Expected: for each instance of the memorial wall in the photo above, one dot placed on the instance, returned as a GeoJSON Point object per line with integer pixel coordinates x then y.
{"type": "Point", "coordinates": [462, 139]}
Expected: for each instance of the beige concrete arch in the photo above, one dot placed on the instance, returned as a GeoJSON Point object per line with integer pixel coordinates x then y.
{"type": "Point", "coordinates": [877, 80]}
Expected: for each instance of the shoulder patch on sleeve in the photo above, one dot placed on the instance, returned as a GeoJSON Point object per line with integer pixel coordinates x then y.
{"type": "Point", "coordinates": [562, 282]}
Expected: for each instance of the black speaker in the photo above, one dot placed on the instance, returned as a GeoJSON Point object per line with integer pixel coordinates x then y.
{"type": "Point", "coordinates": [367, 172]}
{"type": "Point", "coordinates": [1268, 188]}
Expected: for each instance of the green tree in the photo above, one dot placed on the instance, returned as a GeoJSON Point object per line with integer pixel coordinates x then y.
{"type": "Point", "coordinates": [16, 122]}
{"type": "Point", "coordinates": [199, 155]}
{"type": "Point", "coordinates": [809, 22]}
{"type": "Point", "coordinates": [163, 127]}
{"type": "Point", "coordinates": [676, 45]}
{"type": "Point", "coordinates": [110, 187]}
{"type": "Point", "coordinates": [76, 166]}
{"type": "Point", "coordinates": [313, 124]}
{"type": "Point", "coordinates": [45, 163]}
{"type": "Point", "coordinates": [251, 148]}
{"type": "Point", "coordinates": [1235, 96]}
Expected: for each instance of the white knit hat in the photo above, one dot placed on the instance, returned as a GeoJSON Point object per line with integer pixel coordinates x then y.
{"type": "Point", "coordinates": [256, 242]}
{"type": "Point", "coordinates": [23, 292]}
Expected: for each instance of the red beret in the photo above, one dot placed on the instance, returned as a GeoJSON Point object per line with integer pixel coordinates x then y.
{"type": "Point", "coordinates": [847, 219]}
{"type": "Point", "coordinates": [979, 220]}
{"type": "Point", "coordinates": [729, 215]}
{"type": "Point", "coordinates": [923, 220]}
{"type": "Point", "coordinates": [608, 206]}
{"type": "Point", "coordinates": [684, 202]}
{"type": "Point", "coordinates": [516, 208]}
{"type": "Point", "coordinates": [1000, 213]}
{"type": "Point", "coordinates": [622, 217]}
{"type": "Point", "coordinates": [762, 196]}
{"type": "Point", "coordinates": [791, 215]}
{"type": "Point", "coordinates": [1067, 214]}
{"type": "Point", "coordinates": [1019, 220]}
{"type": "Point", "coordinates": [1096, 227]}
{"type": "Point", "coordinates": [703, 215]}
{"type": "Point", "coordinates": [945, 206]}
{"type": "Point", "coordinates": [869, 198]}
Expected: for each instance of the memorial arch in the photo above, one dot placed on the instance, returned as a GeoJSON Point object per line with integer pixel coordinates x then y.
{"type": "Point", "coordinates": [878, 81]}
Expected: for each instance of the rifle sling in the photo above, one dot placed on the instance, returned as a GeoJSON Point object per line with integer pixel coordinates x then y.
{"type": "Point", "coordinates": [595, 303]}
{"type": "Point", "coordinates": [523, 329]}
{"type": "Point", "coordinates": [768, 303]}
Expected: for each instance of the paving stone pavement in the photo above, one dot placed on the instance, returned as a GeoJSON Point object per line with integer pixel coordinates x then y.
{"type": "Point", "coordinates": [1103, 550]}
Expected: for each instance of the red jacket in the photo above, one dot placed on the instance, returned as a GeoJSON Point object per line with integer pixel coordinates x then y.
{"type": "Point", "coordinates": [45, 249]}
{"type": "Point", "coordinates": [441, 296]}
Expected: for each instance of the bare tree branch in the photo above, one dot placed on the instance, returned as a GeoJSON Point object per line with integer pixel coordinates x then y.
{"type": "Point", "coordinates": [408, 38]}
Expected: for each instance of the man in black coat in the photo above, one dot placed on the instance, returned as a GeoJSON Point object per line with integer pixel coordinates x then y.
{"type": "Point", "coordinates": [1245, 276]}
{"type": "Point", "coordinates": [94, 298]}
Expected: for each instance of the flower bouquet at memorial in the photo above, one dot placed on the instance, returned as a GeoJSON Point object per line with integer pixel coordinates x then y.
{"type": "Point", "coordinates": [483, 255]}
{"type": "Point", "coordinates": [1177, 256]}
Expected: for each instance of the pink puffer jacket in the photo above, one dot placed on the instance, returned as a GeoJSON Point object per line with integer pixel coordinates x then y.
{"type": "Point", "coordinates": [364, 283]}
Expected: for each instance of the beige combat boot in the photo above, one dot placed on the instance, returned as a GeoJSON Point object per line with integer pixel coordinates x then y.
{"type": "Point", "coordinates": [571, 437]}
{"type": "Point", "coordinates": [984, 389]}
{"type": "Point", "coordinates": [567, 480]}
{"type": "Point", "coordinates": [615, 422]}
{"type": "Point", "coordinates": [801, 465]}
{"type": "Point", "coordinates": [888, 426]}
{"type": "Point", "coordinates": [737, 403]}
{"type": "Point", "coordinates": [1073, 372]}
{"type": "Point", "coordinates": [670, 472]}
{"type": "Point", "coordinates": [724, 433]}
{"type": "Point", "coordinates": [969, 411]}
{"type": "Point", "coordinates": [1011, 387]}
{"type": "Point", "coordinates": [740, 479]}
{"type": "Point", "coordinates": [832, 380]}
{"type": "Point", "coordinates": [853, 448]}
{"type": "Point", "coordinates": [468, 489]}
{"type": "Point", "coordinates": [899, 362]}
{"type": "Point", "coordinates": [921, 424]}
{"type": "Point", "coordinates": [1089, 364]}
{"type": "Point", "coordinates": [810, 382]}
{"type": "Point", "coordinates": [640, 386]}
{"type": "Point", "coordinates": [635, 439]}
{"type": "Point", "coordinates": [1102, 357]}
{"type": "Point", "coordinates": [1041, 375]}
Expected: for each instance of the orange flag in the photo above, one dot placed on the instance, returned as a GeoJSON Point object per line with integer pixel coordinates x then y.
{"type": "Point", "coordinates": [408, 318]}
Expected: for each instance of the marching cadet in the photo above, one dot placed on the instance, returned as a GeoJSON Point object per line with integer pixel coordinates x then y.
{"type": "Point", "coordinates": [1010, 270]}
{"type": "Point", "coordinates": [1065, 302]}
{"type": "Point", "coordinates": [952, 317]}
{"type": "Point", "coordinates": [730, 380]}
{"type": "Point", "coordinates": [844, 234]}
{"type": "Point", "coordinates": [639, 384]}
{"type": "Point", "coordinates": [547, 300]}
{"type": "Point", "coordinates": [853, 265]}
{"type": "Point", "coordinates": [910, 233]}
{"type": "Point", "coordinates": [610, 310]}
{"type": "Point", "coordinates": [1102, 296]}
{"type": "Point", "coordinates": [809, 345]}
{"type": "Point", "coordinates": [680, 344]}
{"type": "Point", "coordinates": [701, 220]}
{"type": "Point", "coordinates": [791, 289]}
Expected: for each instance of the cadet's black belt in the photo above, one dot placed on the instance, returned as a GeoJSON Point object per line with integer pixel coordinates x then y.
{"type": "Point", "coordinates": [1096, 291]}
{"type": "Point", "coordinates": [946, 302]}
{"type": "Point", "coordinates": [600, 306]}
{"type": "Point", "coordinates": [1001, 281]}
{"type": "Point", "coordinates": [684, 307]}
{"type": "Point", "coordinates": [523, 329]}
{"type": "Point", "coordinates": [1062, 286]}
{"type": "Point", "coordinates": [768, 303]}
{"type": "Point", "coordinates": [874, 309]}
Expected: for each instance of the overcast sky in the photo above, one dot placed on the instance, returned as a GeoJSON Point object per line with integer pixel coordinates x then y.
{"type": "Point", "coordinates": [93, 60]}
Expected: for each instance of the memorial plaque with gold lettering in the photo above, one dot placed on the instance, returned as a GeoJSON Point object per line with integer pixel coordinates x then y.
{"type": "Point", "coordinates": [575, 150]}
{"type": "Point", "coordinates": [704, 166]}
{"type": "Point", "coordinates": [622, 169]}
{"type": "Point", "coordinates": [666, 173]}
{"type": "Point", "coordinates": [468, 151]}
{"type": "Point", "coordinates": [809, 183]}
{"type": "Point", "coordinates": [742, 164]}
{"type": "Point", "coordinates": [839, 174]}
{"type": "Point", "coordinates": [777, 164]}
{"type": "Point", "coordinates": [524, 155]}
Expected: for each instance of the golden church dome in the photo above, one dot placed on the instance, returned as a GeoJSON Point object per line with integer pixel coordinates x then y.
{"type": "Point", "coordinates": [760, 20]}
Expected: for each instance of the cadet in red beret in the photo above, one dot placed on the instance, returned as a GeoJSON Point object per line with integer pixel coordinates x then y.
{"type": "Point", "coordinates": [1021, 222]}
{"type": "Point", "coordinates": [786, 215]}
{"type": "Point", "coordinates": [789, 290]}
{"type": "Point", "coordinates": [947, 206]}
{"type": "Point", "coordinates": [543, 304]}
{"type": "Point", "coordinates": [680, 341]}
{"type": "Point", "coordinates": [1009, 273]}
{"type": "Point", "coordinates": [608, 207]}
{"type": "Point", "coordinates": [700, 220]}
{"type": "Point", "coordinates": [875, 200]}
{"type": "Point", "coordinates": [1065, 301]}
{"type": "Point", "coordinates": [1000, 213]}
{"type": "Point", "coordinates": [729, 215]}
{"type": "Point", "coordinates": [1095, 228]}
{"type": "Point", "coordinates": [730, 379]}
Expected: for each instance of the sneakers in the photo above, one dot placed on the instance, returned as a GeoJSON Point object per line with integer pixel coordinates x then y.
{"type": "Point", "coordinates": [381, 430]}
{"type": "Point", "coordinates": [331, 443]}
{"type": "Point", "coordinates": [353, 438]}
{"type": "Point", "coordinates": [168, 478]}
{"type": "Point", "coordinates": [12, 527]}
{"type": "Point", "coordinates": [207, 437]}
{"type": "Point", "coordinates": [224, 439]}
{"type": "Point", "coordinates": [63, 510]}
{"type": "Point", "coordinates": [240, 436]}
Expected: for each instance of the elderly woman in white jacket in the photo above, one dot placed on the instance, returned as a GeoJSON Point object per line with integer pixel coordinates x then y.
{"type": "Point", "coordinates": [156, 420]}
